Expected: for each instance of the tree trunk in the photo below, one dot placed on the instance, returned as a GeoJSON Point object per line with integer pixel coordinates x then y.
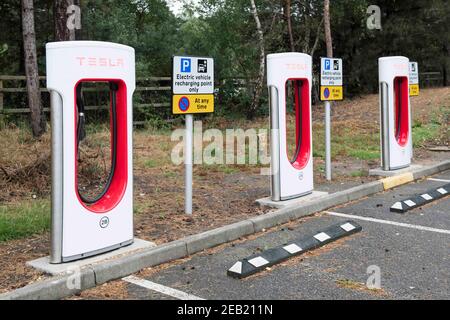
{"type": "Point", "coordinates": [262, 64]}
{"type": "Point", "coordinates": [445, 65]}
{"type": "Point", "coordinates": [316, 42]}
{"type": "Point", "coordinates": [62, 32]}
{"type": "Point", "coordinates": [31, 69]}
{"type": "Point", "coordinates": [328, 39]}
{"type": "Point", "coordinates": [289, 24]}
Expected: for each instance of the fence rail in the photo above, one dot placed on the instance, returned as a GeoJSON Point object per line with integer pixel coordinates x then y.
{"type": "Point", "coordinates": [427, 79]}
{"type": "Point", "coordinates": [158, 86]}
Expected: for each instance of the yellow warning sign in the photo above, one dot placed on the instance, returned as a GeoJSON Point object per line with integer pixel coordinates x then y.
{"type": "Point", "coordinates": [331, 93]}
{"type": "Point", "coordinates": [192, 103]}
{"type": "Point", "coordinates": [413, 89]}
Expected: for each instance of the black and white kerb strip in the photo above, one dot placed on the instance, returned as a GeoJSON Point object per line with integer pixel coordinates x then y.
{"type": "Point", "coordinates": [421, 199]}
{"type": "Point", "coordinates": [270, 257]}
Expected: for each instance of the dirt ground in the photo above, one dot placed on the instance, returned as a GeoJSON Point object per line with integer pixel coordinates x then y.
{"type": "Point", "coordinates": [222, 194]}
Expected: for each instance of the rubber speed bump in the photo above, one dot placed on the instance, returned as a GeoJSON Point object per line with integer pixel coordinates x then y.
{"type": "Point", "coordinates": [255, 263]}
{"type": "Point", "coordinates": [421, 199]}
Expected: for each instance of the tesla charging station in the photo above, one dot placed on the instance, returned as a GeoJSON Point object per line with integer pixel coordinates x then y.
{"type": "Point", "coordinates": [290, 75]}
{"type": "Point", "coordinates": [395, 110]}
{"type": "Point", "coordinates": [82, 226]}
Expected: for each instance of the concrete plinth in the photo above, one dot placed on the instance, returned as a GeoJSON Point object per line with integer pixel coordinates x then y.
{"type": "Point", "coordinates": [383, 173]}
{"type": "Point", "coordinates": [267, 202]}
{"type": "Point", "coordinates": [43, 264]}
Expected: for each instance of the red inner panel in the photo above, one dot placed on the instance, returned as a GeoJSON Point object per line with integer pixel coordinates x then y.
{"type": "Point", "coordinates": [401, 110]}
{"type": "Point", "coordinates": [302, 123]}
{"type": "Point", "coordinates": [118, 186]}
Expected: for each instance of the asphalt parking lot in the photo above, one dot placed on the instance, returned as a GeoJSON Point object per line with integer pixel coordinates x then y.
{"type": "Point", "coordinates": [411, 250]}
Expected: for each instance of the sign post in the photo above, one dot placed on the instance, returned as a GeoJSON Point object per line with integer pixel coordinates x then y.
{"type": "Point", "coordinates": [188, 147]}
{"type": "Point", "coordinates": [413, 79]}
{"type": "Point", "coordinates": [193, 93]}
{"type": "Point", "coordinates": [331, 89]}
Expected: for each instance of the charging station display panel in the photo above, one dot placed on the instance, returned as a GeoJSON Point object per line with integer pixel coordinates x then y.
{"type": "Point", "coordinates": [289, 77]}
{"type": "Point", "coordinates": [396, 135]}
{"type": "Point", "coordinates": [85, 224]}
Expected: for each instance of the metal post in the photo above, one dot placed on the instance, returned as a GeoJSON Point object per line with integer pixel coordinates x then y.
{"type": "Point", "coordinates": [328, 140]}
{"type": "Point", "coordinates": [57, 177]}
{"type": "Point", "coordinates": [274, 145]}
{"type": "Point", "coordinates": [188, 147]}
{"type": "Point", "coordinates": [384, 112]}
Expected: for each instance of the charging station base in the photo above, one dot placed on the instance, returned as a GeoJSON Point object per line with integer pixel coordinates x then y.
{"type": "Point", "coordinates": [268, 202]}
{"type": "Point", "coordinates": [43, 264]}
{"type": "Point", "coordinates": [390, 173]}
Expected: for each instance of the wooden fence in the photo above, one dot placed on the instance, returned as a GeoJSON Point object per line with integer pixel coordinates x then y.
{"type": "Point", "coordinates": [431, 79]}
{"type": "Point", "coordinates": [155, 93]}
{"type": "Point", "coordinates": [159, 87]}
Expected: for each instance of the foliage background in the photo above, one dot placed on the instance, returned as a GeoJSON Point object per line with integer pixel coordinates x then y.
{"type": "Point", "coordinates": [225, 30]}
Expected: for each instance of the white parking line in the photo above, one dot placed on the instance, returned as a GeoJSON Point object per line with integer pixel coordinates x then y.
{"type": "Point", "coordinates": [440, 180]}
{"type": "Point", "coordinates": [161, 289]}
{"type": "Point", "coordinates": [394, 223]}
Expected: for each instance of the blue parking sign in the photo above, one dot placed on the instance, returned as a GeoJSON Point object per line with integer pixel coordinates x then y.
{"type": "Point", "coordinates": [186, 65]}
{"type": "Point", "coordinates": [327, 64]}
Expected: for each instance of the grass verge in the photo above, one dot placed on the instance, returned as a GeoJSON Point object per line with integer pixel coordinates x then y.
{"type": "Point", "coordinates": [23, 220]}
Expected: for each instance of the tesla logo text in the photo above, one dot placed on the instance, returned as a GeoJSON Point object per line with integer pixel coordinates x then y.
{"type": "Point", "coordinates": [400, 66]}
{"type": "Point", "coordinates": [295, 66]}
{"type": "Point", "coordinates": [100, 62]}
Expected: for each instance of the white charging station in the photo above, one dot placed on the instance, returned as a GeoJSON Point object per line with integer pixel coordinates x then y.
{"type": "Point", "coordinates": [291, 175]}
{"type": "Point", "coordinates": [395, 112]}
{"type": "Point", "coordinates": [82, 228]}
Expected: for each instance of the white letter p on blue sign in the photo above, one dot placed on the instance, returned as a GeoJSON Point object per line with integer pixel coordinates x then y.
{"type": "Point", "coordinates": [185, 65]}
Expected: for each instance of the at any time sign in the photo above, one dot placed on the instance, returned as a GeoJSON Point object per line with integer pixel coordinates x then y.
{"type": "Point", "coordinates": [193, 75]}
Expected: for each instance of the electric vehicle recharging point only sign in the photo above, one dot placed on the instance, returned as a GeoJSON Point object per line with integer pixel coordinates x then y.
{"type": "Point", "coordinates": [413, 79]}
{"type": "Point", "coordinates": [331, 79]}
{"type": "Point", "coordinates": [192, 85]}
{"type": "Point", "coordinates": [193, 93]}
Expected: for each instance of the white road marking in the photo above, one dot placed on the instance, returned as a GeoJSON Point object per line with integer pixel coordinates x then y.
{"type": "Point", "coordinates": [440, 180]}
{"type": "Point", "coordinates": [161, 289]}
{"type": "Point", "coordinates": [394, 223]}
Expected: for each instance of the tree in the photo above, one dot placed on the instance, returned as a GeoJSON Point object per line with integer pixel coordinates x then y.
{"type": "Point", "coordinates": [289, 24]}
{"type": "Point", "coordinates": [262, 56]}
{"type": "Point", "coordinates": [326, 18]}
{"type": "Point", "coordinates": [31, 69]}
